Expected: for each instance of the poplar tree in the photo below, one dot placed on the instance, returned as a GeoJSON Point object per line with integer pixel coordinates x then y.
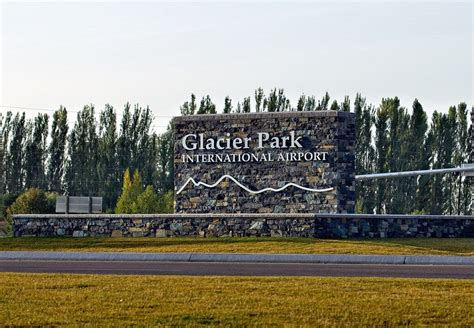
{"type": "Point", "coordinates": [418, 157]}
{"type": "Point", "coordinates": [56, 150]}
{"type": "Point", "coordinates": [136, 188]}
{"type": "Point", "coordinates": [207, 106]}
{"type": "Point", "coordinates": [150, 166]}
{"type": "Point", "coordinates": [36, 153]}
{"type": "Point", "coordinates": [143, 161]}
{"type": "Point", "coordinates": [334, 105]}
{"type": "Point", "coordinates": [108, 161]}
{"type": "Point", "coordinates": [393, 159]}
{"type": "Point", "coordinates": [259, 96]}
{"type": "Point", "coordinates": [449, 146]}
{"type": "Point", "coordinates": [125, 202]}
{"type": "Point", "coordinates": [402, 198]}
{"type": "Point", "coordinates": [364, 154]}
{"type": "Point", "coordinates": [300, 105]}
{"type": "Point", "coordinates": [346, 104]}
{"type": "Point", "coordinates": [272, 101]}
{"type": "Point", "coordinates": [134, 141]}
{"type": "Point", "coordinates": [189, 108]}
{"type": "Point", "coordinates": [435, 141]}
{"type": "Point", "coordinates": [442, 138]}
{"type": "Point", "coordinates": [324, 102]}
{"type": "Point", "coordinates": [277, 101]}
{"type": "Point", "coordinates": [246, 105]}
{"type": "Point", "coordinates": [238, 109]}
{"type": "Point", "coordinates": [124, 140]}
{"type": "Point", "coordinates": [165, 162]}
{"type": "Point", "coordinates": [310, 104]}
{"type": "Point", "coordinates": [192, 104]}
{"type": "Point", "coordinates": [381, 150]}
{"type": "Point", "coordinates": [15, 174]}
{"type": "Point", "coordinates": [227, 105]}
{"type": "Point", "coordinates": [82, 170]}
{"type": "Point", "coordinates": [5, 128]}
{"type": "Point", "coordinates": [461, 193]}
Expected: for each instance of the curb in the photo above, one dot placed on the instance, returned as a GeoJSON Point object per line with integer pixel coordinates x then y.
{"type": "Point", "coordinates": [237, 258]}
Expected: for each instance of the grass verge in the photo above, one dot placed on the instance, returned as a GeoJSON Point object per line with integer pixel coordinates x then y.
{"type": "Point", "coordinates": [407, 246]}
{"type": "Point", "coordinates": [95, 300]}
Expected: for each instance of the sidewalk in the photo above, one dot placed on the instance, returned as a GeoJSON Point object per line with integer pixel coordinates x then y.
{"type": "Point", "coordinates": [238, 258]}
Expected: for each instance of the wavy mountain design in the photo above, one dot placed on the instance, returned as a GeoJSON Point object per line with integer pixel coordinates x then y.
{"type": "Point", "coordinates": [226, 176]}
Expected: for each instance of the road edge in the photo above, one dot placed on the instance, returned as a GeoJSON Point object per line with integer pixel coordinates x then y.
{"type": "Point", "coordinates": [238, 258]}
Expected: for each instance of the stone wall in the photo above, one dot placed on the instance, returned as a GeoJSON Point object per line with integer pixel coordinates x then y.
{"type": "Point", "coordinates": [329, 133]}
{"type": "Point", "coordinates": [274, 225]}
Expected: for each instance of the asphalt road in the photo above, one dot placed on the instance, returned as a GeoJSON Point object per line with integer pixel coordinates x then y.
{"type": "Point", "coordinates": [240, 269]}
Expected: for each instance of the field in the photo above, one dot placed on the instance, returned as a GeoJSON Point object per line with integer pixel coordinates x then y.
{"type": "Point", "coordinates": [407, 246]}
{"type": "Point", "coordinates": [91, 300]}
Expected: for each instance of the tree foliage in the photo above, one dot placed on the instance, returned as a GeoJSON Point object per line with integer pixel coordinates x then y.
{"type": "Point", "coordinates": [15, 170]}
{"type": "Point", "coordinates": [125, 201]}
{"type": "Point", "coordinates": [90, 159]}
{"type": "Point", "coordinates": [32, 201]}
{"type": "Point", "coordinates": [206, 106]}
{"type": "Point", "coordinates": [135, 200]}
{"type": "Point", "coordinates": [189, 107]}
{"type": "Point", "coordinates": [57, 150]}
{"type": "Point", "coordinates": [147, 202]}
{"type": "Point", "coordinates": [227, 105]}
{"type": "Point", "coordinates": [36, 153]}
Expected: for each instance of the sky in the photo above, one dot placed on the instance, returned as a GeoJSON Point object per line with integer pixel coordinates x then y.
{"type": "Point", "coordinates": [158, 53]}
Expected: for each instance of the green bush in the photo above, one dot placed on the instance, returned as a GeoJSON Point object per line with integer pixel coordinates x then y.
{"type": "Point", "coordinates": [32, 201]}
{"type": "Point", "coordinates": [51, 198]}
{"type": "Point", "coordinates": [130, 192]}
{"type": "Point", "coordinates": [147, 202]}
{"type": "Point", "coordinates": [419, 212]}
{"type": "Point", "coordinates": [5, 201]}
{"type": "Point", "coordinates": [166, 202]}
{"type": "Point", "coordinates": [133, 200]}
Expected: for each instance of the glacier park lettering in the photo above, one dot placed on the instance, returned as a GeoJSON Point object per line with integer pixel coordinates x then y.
{"type": "Point", "coordinates": [198, 142]}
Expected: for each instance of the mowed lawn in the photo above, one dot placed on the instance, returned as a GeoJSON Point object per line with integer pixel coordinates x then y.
{"type": "Point", "coordinates": [406, 246]}
{"type": "Point", "coordinates": [92, 300]}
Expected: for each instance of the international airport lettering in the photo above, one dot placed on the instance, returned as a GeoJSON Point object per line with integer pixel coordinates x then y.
{"type": "Point", "coordinates": [290, 144]}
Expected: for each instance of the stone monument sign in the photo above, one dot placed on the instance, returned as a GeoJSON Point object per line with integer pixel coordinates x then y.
{"type": "Point", "coordinates": [290, 162]}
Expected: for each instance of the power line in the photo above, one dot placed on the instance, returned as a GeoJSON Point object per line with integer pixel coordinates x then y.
{"type": "Point", "coordinates": [69, 110]}
{"type": "Point", "coordinates": [29, 108]}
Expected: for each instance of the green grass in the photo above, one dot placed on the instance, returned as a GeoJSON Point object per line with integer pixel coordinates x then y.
{"type": "Point", "coordinates": [407, 246]}
{"type": "Point", "coordinates": [98, 300]}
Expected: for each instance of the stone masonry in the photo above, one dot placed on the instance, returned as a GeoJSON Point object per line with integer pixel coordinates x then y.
{"type": "Point", "coordinates": [241, 225]}
{"type": "Point", "coordinates": [331, 132]}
